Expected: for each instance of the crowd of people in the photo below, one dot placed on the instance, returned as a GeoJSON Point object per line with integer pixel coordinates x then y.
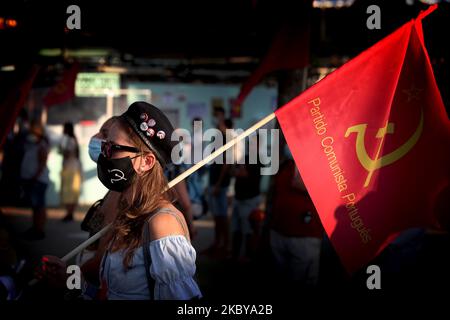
{"type": "Point", "coordinates": [147, 253]}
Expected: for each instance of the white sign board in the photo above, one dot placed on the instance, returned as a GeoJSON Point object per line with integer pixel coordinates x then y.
{"type": "Point", "coordinates": [96, 84]}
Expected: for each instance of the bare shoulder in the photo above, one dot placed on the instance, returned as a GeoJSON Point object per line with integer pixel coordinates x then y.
{"type": "Point", "coordinates": [163, 224]}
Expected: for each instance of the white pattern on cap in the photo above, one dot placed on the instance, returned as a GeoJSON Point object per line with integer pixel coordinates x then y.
{"type": "Point", "coordinates": [144, 116]}
{"type": "Point", "coordinates": [144, 126]}
{"type": "Point", "coordinates": [150, 132]}
{"type": "Point", "coordinates": [161, 134]}
{"type": "Point", "coordinates": [151, 122]}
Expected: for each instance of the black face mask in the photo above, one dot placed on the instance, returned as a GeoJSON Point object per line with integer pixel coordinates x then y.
{"type": "Point", "coordinates": [115, 174]}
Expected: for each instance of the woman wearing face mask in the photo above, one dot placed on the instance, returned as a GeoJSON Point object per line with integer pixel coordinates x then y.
{"type": "Point", "coordinates": [150, 255]}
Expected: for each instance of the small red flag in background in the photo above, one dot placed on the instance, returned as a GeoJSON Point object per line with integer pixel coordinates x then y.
{"type": "Point", "coordinates": [372, 143]}
{"type": "Point", "coordinates": [64, 90]}
{"type": "Point", "coordinates": [11, 106]}
{"type": "Point", "coordinates": [289, 50]}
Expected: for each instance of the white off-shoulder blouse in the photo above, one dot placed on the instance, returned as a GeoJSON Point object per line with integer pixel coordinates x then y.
{"type": "Point", "coordinates": [173, 268]}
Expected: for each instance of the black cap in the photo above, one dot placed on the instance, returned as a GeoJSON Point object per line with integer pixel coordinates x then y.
{"type": "Point", "coordinates": [153, 127]}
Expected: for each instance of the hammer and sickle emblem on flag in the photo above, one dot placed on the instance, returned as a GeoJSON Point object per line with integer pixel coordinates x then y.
{"type": "Point", "coordinates": [374, 164]}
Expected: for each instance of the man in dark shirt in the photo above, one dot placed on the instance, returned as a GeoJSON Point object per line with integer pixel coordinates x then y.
{"type": "Point", "coordinates": [247, 199]}
{"type": "Point", "coordinates": [219, 181]}
{"type": "Point", "coordinates": [295, 228]}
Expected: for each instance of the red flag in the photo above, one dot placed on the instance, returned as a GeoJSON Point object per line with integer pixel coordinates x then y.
{"type": "Point", "coordinates": [64, 90]}
{"type": "Point", "coordinates": [10, 108]}
{"type": "Point", "coordinates": [289, 50]}
{"type": "Point", "coordinates": [372, 143]}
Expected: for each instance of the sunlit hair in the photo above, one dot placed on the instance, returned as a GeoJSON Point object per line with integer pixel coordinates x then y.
{"type": "Point", "coordinates": [145, 197]}
{"type": "Point", "coordinates": [103, 132]}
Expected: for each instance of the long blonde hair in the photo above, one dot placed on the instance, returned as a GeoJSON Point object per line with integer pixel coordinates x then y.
{"type": "Point", "coordinates": [145, 197]}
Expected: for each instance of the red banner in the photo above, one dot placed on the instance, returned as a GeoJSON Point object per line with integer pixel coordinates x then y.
{"type": "Point", "coordinates": [372, 143]}
{"type": "Point", "coordinates": [289, 50]}
{"type": "Point", "coordinates": [64, 90]}
{"type": "Point", "coordinates": [10, 107]}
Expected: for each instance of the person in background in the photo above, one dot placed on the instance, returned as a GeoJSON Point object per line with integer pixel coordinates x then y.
{"type": "Point", "coordinates": [219, 182]}
{"type": "Point", "coordinates": [231, 156]}
{"type": "Point", "coordinates": [183, 202]}
{"type": "Point", "coordinates": [71, 171]}
{"type": "Point", "coordinates": [296, 230]}
{"type": "Point", "coordinates": [101, 213]}
{"type": "Point", "coordinates": [13, 151]}
{"type": "Point", "coordinates": [35, 178]}
{"type": "Point", "coordinates": [247, 199]}
{"type": "Point", "coordinates": [195, 181]}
